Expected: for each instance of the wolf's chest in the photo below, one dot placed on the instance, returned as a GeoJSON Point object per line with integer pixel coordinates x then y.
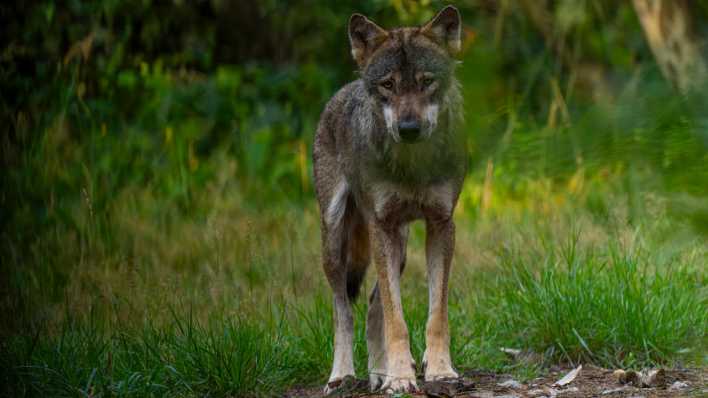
{"type": "Point", "coordinates": [400, 203]}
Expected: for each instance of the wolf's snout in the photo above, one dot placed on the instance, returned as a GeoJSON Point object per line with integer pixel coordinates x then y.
{"type": "Point", "coordinates": [409, 130]}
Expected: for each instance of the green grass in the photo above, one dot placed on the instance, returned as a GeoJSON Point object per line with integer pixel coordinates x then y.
{"type": "Point", "coordinates": [240, 318]}
{"type": "Point", "coordinates": [608, 308]}
{"type": "Point", "coordinates": [178, 358]}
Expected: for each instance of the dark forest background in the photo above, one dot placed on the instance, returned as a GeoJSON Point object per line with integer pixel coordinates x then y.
{"type": "Point", "coordinates": [157, 154]}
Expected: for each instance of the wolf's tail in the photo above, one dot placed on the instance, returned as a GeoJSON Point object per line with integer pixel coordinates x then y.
{"type": "Point", "coordinates": [358, 252]}
{"type": "Point", "coordinates": [355, 278]}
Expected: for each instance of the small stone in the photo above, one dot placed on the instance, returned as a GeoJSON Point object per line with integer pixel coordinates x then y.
{"type": "Point", "coordinates": [678, 385]}
{"type": "Point", "coordinates": [620, 376]}
{"type": "Point", "coordinates": [632, 377]}
{"type": "Point", "coordinates": [653, 378]}
{"type": "Point", "coordinates": [511, 383]}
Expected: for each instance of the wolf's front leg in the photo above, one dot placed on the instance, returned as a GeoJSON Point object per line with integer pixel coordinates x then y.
{"type": "Point", "coordinates": [440, 243]}
{"type": "Point", "coordinates": [388, 253]}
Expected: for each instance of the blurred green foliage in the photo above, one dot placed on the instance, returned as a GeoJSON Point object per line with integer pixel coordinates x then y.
{"type": "Point", "coordinates": [100, 97]}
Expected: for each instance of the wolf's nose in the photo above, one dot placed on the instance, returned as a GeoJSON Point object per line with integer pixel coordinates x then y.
{"type": "Point", "coordinates": [409, 130]}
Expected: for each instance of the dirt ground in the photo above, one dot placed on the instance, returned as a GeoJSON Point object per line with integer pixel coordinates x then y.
{"type": "Point", "coordinates": [590, 382]}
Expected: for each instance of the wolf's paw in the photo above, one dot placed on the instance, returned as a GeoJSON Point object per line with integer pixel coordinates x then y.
{"type": "Point", "coordinates": [394, 385]}
{"type": "Point", "coordinates": [447, 374]}
{"type": "Point", "coordinates": [339, 384]}
{"type": "Point", "coordinates": [438, 370]}
{"type": "Point", "coordinates": [377, 377]}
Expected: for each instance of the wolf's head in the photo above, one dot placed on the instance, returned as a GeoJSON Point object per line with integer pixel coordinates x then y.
{"type": "Point", "coordinates": [408, 71]}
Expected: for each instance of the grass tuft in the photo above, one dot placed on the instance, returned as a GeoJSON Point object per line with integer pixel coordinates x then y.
{"type": "Point", "coordinates": [610, 308]}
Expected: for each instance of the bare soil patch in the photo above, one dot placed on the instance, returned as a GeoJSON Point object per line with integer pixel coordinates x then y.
{"type": "Point", "coordinates": [591, 381]}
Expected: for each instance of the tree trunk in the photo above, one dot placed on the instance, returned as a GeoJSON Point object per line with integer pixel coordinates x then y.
{"type": "Point", "coordinates": [667, 27]}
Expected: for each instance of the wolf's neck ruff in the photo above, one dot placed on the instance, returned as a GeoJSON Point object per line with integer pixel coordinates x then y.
{"type": "Point", "coordinates": [440, 155]}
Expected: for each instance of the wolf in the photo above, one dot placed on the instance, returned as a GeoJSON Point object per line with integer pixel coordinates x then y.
{"type": "Point", "coordinates": [389, 150]}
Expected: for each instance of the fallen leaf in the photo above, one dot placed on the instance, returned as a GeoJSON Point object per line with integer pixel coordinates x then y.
{"type": "Point", "coordinates": [569, 377]}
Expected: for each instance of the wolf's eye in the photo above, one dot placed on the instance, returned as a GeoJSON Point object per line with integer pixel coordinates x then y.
{"type": "Point", "coordinates": [387, 84]}
{"type": "Point", "coordinates": [428, 81]}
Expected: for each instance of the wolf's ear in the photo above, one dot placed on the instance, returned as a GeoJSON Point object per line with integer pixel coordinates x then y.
{"type": "Point", "coordinates": [445, 29]}
{"type": "Point", "coordinates": [364, 36]}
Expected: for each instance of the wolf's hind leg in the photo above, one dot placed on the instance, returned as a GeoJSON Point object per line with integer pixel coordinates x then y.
{"type": "Point", "coordinates": [335, 258]}
{"type": "Point", "coordinates": [343, 364]}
